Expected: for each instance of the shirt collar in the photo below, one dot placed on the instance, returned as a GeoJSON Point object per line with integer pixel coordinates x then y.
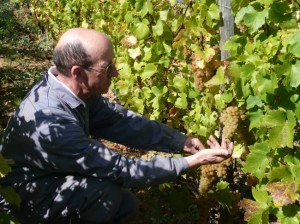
{"type": "Point", "coordinates": [63, 91]}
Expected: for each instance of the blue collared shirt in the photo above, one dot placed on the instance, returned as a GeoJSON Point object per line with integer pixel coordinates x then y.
{"type": "Point", "coordinates": [50, 134]}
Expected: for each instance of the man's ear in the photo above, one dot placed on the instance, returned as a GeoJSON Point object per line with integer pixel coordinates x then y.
{"type": "Point", "coordinates": [77, 73]}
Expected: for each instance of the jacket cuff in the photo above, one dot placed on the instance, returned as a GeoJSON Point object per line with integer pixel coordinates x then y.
{"type": "Point", "coordinates": [178, 142]}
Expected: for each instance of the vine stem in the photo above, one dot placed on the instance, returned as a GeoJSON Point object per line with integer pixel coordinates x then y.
{"type": "Point", "coordinates": [182, 24]}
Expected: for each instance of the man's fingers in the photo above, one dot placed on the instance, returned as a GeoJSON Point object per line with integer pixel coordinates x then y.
{"type": "Point", "coordinates": [200, 146]}
{"type": "Point", "coordinates": [230, 147]}
{"type": "Point", "coordinates": [212, 142]}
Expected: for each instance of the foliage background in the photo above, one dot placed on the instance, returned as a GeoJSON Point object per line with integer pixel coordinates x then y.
{"type": "Point", "coordinates": [174, 74]}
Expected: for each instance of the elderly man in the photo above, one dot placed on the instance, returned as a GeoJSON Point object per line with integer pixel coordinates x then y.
{"type": "Point", "coordinates": [61, 174]}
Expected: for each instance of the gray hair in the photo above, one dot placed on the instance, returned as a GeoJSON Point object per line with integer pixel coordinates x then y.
{"type": "Point", "coordinates": [70, 54]}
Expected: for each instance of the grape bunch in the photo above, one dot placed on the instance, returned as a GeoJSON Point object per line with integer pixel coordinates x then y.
{"type": "Point", "coordinates": [210, 172]}
{"type": "Point", "coordinates": [203, 70]}
{"type": "Point", "coordinates": [230, 118]}
{"type": "Point", "coordinates": [199, 73]}
{"type": "Point", "coordinates": [199, 79]}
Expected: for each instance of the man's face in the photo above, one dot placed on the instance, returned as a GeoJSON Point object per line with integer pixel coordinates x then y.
{"type": "Point", "coordinates": [101, 73]}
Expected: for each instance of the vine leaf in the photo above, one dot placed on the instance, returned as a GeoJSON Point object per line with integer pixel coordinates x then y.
{"type": "Point", "coordinates": [278, 12]}
{"type": "Point", "coordinates": [294, 74]}
{"type": "Point", "coordinates": [149, 70]}
{"type": "Point", "coordinates": [255, 19]}
{"type": "Point", "coordinates": [134, 53]}
{"type": "Point", "coordinates": [181, 102]}
{"type": "Point", "coordinates": [282, 136]}
{"type": "Point", "coordinates": [255, 212]}
{"type": "Point", "coordinates": [257, 160]}
{"type": "Point", "coordinates": [180, 83]}
{"type": "Point", "coordinates": [280, 173]}
{"type": "Point", "coordinates": [253, 101]}
{"type": "Point", "coordinates": [283, 193]}
{"type": "Point", "coordinates": [217, 80]}
{"type": "Point", "coordinates": [294, 47]}
{"type": "Point", "coordinates": [255, 119]}
{"type": "Point", "coordinates": [158, 29]}
{"type": "Point", "coordinates": [274, 118]}
{"type": "Point", "coordinates": [147, 8]}
{"type": "Point", "coordinates": [141, 30]}
{"type": "Point", "coordinates": [4, 166]}
{"type": "Point", "coordinates": [10, 195]}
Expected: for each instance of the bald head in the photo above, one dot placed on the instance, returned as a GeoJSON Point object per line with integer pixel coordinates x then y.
{"type": "Point", "coordinates": [83, 47]}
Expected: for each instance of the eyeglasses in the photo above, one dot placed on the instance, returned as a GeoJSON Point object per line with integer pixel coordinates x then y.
{"type": "Point", "coordinates": [108, 69]}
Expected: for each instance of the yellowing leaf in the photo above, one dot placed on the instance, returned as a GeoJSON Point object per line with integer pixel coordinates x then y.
{"type": "Point", "coordinates": [283, 193]}
{"type": "Point", "coordinates": [252, 209]}
{"type": "Point", "coordinates": [134, 53]}
{"type": "Point", "coordinates": [217, 80]}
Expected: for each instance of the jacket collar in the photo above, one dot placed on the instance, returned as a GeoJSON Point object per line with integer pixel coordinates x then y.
{"type": "Point", "coordinates": [61, 90]}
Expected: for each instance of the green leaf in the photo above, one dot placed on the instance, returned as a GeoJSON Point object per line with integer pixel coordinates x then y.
{"type": "Point", "coordinates": [238, 4]}
{"type": "Point", "coordinates": [253, 101]}
{"type": "Point", "coordinates": [4, 166]}
{"type": "Point", "coordinates": [222, 185]}
{"type": "Point", "coordinates": [168, 48]}
{"type": "Point", "coordinates": [163, 15]}
{"type": "Point", "coordinates": [238, 151]}
{"type": "Point", "coordinates": [149, 70]}
{"type": "Point", "coordinates": [255, 212]}
{"type": "Point", "coordinates": [158, 29]}
{"type": "Point", "coordinates": [180, 83]}
{"type": "Point", "coordinates": [265, 2]}
{"type": "Point", "coordinates": [280, 173]}
{"type": "Point", "coordinates": [147, 54]}
{"type": "Point", "coordinates": [281, 136]}
{"type": "Point", "coordinates": [10, 195]}
{"type": "Point", "coordinates": [261, 217]}
{"type": "Point", "coordinates": [181, 101]}
{"type": "Point", "coordinates": [147, 8]}
{"type": "Point", "coordinates": [260, 195]}
{"type": "Point", "coordinates": [263, 86]}
{"type": "Point", "coordinates": [274, 118]}
{"type": "Point", "coordinates": [224, 197]}
{"type": "Point", "coordinates": [278, 11]}
{"type": "Point", "coordinates": [294, 47]}
{"type": "Point", "coordinates": [297, 111]}
{"type": "Point", "coordinates": [255, 19]}
{"type": "Point", "coordinates": [255, 119]}
{"type": "Point", "coordinates": [141, 30]}
{"type": "Point", "coordinates": [222, 99]}
{"type": "Point", "coordinates": [289, 214]}
{"type": "Point", "coordinates": [138, 104]}
{"type": "Point", "coordinates": [217, 80]}
{"type": "Point", "coordinates": [134, 53]}
{"type": "Point", "coordinates": [257, 160]}
{"type": "Point", "coordinates": [146, 92]}
{"type": "Point", "coordinates": [294, 75]}
{"type": "Point", "coordinates": [213, 11]}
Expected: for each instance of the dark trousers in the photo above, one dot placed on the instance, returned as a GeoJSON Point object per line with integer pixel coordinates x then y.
{"type": "Point", "coordinates": [75, 199]}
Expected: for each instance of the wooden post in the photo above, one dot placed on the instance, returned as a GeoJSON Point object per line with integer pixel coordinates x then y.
{"type": "Point", "coordinates": [227, 26]}
{"type": "Point", "coordinates": [226, 31]}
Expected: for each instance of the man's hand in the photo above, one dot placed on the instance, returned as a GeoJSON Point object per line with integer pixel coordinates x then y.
{"type": "Point", "coordinates": [192, 145]}
{"type": "Point", "coordinates": [215, 154]}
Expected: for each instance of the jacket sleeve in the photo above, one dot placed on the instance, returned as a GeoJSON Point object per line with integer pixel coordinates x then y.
{"type": "Point", "coordinates": [115, 123]}
{"type": "Point", "coordinates": [66, 148]}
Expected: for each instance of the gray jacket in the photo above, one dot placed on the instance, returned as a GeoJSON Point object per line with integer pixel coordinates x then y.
{"type": "Point", "coordinates": [50, 134]}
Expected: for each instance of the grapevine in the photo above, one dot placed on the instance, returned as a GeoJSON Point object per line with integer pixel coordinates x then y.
{"type": "Point", "coordinates": [168, 59]}
{"type": "Point", "coordinates": [229, 118]}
